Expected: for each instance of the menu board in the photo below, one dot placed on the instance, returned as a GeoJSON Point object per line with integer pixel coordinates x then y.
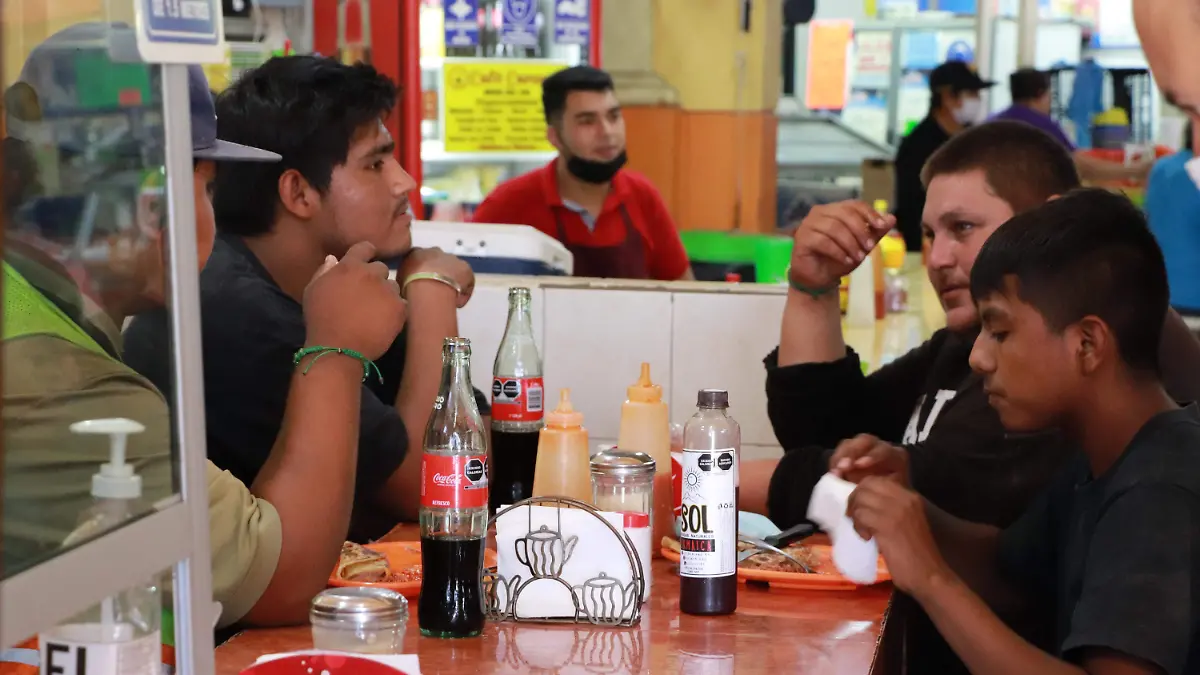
{"type": "Point", "coordinates": [492, 105]}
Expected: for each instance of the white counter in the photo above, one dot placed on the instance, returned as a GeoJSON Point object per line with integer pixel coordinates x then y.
{"type": "Point", "coordinates": [594, 334]}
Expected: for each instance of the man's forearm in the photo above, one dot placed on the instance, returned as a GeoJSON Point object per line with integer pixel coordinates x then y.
{"type": "Point", "coordinates": [1096, 169]}
{"type": "Point", "coordinates": [971, 549]}
{"type": "Point", "coordinates": [432, 317]}
{"type": "Point", "coordinates": [812, 329]}
{"type": "Point", "coordinates": [984, 643]}
{"type": "Point", "coordinates": [315, 453]}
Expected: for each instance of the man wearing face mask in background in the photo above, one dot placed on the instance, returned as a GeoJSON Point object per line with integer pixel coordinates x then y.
{"type": "Point", "coordinates": [955, 105]}
{"type": "Point", "coordinates": [611, 219]}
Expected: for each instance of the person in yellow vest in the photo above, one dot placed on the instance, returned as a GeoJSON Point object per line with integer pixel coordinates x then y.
{"type": "Point", "coordinates": [273, 543]}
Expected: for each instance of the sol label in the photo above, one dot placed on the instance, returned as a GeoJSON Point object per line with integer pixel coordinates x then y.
{"type": "Point", "coordinates": [517, 399]}
{"type": "Point", "coordinates": [708, 513]}
{"type": "Point", "coordinates": [454, 481]}
{"type": "Point", "coordinates": [62, 655]}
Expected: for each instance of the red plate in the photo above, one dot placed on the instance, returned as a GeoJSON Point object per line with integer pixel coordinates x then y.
{"type": "Point", "coordinates": [308, 664]}
{"type": "Point", "coordinates": [826, 579]}
{"type": "Point", "coordinates": [401, 556]}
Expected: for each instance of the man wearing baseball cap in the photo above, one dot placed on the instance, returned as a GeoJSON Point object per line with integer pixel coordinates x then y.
{"type": "Point", "coordinates": [64, 300]}
{"type": "Point", "coordinates": [954, 105]}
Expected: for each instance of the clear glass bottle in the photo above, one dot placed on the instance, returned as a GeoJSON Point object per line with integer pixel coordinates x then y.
{"type": "Point", "coordinates": [454, 504]}
{"type": "Point", "coordinates": [518, 404]}
{"type": "Point", "coordinates": [712, 442]}
{"type": "Point", "coordinates": [123, 633]}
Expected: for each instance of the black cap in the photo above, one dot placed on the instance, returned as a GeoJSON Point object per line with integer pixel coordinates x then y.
{"type": "Point", "coordinates": [958, 76]}
{"type": "Point", "coordinates": [712, 398]}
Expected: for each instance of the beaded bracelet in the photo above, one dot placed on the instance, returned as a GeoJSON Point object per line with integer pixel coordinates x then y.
{"type": "Point", "coordinates": [811, 292]}
{"type": "Point", "coordinates": [368, 364]}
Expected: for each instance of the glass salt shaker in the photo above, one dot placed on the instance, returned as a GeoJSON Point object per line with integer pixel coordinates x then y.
{"type": "Point", "coordinates": [359, 619]}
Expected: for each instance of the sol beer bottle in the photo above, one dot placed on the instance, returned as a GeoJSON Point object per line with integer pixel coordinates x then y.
{"type": "Point", "coordinates": [517, 405]}
{"type": "Point", "coordinates": [454, 499]}
{"type": "Point", "coordinates": [708, 520]}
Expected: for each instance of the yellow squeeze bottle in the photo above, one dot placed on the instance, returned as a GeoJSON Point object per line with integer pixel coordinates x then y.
{"type": "Point", "coordinates": [645, 427]}
{"type": "Point", "coordinates": [563, 462]}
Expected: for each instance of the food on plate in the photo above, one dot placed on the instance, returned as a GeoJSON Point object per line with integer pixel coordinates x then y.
{"type": "Point", "coordinates": [363, 565]}
{"type": "Point", "coordinates": [768, 561]}
{"type": "Point", "coordinates": [773, 562]}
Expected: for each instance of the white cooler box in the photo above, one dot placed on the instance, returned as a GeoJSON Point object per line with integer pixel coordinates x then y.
{"type": "Point", "coordinates": [496, 249]}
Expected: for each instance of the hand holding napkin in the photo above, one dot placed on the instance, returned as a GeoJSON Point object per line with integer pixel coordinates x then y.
{"type": "Point", "coordinates": [857, 559]}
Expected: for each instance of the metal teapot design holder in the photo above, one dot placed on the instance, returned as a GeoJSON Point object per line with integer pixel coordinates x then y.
{"type": "Point", "coordinates": [544, 553]}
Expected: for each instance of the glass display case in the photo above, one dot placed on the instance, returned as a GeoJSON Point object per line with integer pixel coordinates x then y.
{"type": "Point", "coordinates": [99, 224]}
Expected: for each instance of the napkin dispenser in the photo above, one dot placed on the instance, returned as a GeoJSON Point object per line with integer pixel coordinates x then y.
{"type": "Point", "coordinates": [560, 560]}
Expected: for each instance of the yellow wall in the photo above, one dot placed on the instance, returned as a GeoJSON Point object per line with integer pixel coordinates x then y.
{"type": "Point", "coordinates": [700, 50]}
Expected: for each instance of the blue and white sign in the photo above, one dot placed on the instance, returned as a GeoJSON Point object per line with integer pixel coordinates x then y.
{"type": "Point", "coordinates": [518, 25]}
{"type": "Point", "coordinates": [572, 22]}
{"type": "Point", "coordinates": [462, 23]}
{"type": "Point", "coordinates": [180, 31]}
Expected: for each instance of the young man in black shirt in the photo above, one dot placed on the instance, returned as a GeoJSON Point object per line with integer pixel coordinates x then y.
{"type": "Point", "coordinates": [1070, 297]}
{"type": "Point", "coordinates": [337, 184]}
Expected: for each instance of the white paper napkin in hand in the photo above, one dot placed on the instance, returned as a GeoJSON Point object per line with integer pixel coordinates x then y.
{"type": "Point", "coordinates": [857, 559]}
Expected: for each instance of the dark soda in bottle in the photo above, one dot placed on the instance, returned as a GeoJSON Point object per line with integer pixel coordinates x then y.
{"type": "Point", "coordinates": [709, 511]}
{"type": "Point", "coordinates": [517, 405]}
{"type": "Point", "coordinates": [454, 504]}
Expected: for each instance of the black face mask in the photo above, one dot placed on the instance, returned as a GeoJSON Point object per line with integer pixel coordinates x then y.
{"type": "Point", "coordinates": [598, 173]}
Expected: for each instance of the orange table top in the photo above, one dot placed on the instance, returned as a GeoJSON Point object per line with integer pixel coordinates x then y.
{"type": "Point", "coordinates": [793, 631]}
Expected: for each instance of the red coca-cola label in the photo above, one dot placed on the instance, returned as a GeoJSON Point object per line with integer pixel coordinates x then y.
{"type": "Point", "coordinates": [454, 481]}
{"type": "Point", "coordinates": [517, 399]}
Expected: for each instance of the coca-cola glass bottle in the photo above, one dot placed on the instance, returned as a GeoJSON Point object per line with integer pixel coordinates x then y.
{"type": "Point", "coordinates": [517, 405]}
{"type": "Point", "coordinates": [454, 499]}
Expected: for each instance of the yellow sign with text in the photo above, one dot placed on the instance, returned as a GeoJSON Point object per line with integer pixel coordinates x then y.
{"type": "Point", "coordinates": [495, 106]}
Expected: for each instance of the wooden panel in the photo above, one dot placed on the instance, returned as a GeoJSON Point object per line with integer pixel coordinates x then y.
{"type": "Point", "coordinates": [652, 141]}
{"type": "Point", "coordinates": [726, 171]}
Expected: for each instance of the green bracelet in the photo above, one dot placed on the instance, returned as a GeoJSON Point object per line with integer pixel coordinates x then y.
{"type": "Point", "coordinates": [368, 364]}
{"type": "Point", "coordinates": [811, 292]}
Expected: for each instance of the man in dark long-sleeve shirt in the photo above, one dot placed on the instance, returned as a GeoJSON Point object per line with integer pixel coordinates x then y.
{"type": "Point", "coordinates": [928, 401]}
{"type": "Point", "coordinates": [955, 105]}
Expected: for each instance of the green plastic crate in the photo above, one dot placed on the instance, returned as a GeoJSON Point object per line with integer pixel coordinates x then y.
{"type": "Point", "coordinates": [770, 254]}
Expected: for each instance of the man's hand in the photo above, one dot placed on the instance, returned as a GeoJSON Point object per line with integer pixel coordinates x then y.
{"type": "Point", "coordinates": [865, 455]}
{"type": "Point", "coordinates": [833, 240]}
{"type": "Point", "coordinates": [352, 304]}
{"type": "Point", "coordinates": [895, 516]}
{"type": "Point", "coordinates": [437, 261]}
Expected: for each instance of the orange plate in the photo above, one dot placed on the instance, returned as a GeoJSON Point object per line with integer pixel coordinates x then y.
{"type": "Point", "coordinates": [400, 555]}
{"type": "Point", "coordinates": [799, 580]}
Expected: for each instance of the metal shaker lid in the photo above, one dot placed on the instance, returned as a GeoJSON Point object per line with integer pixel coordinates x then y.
{"type": "Point", "coordinates": [623, 463]}
{"type": "Point", "coordinates": [359, 605]}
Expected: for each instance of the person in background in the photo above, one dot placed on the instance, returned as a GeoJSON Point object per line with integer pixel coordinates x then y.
{"type": "Point", "coordinates": [1070, 296]}
{"type": "Point", "coordinates": [273, 545]}
{"type": "Point", "coordinates": [338, 184]}
{"type": "Point", "coordinates": [1030, 89]}
{"type": "Point", "coordinates": [1173, 210]}
{"type": "Point", "coordinates": [611, 219]}
{"type": "Point", "coordinates": [926, 406]}
{"type": "Point", "coordinates": [954, 105]}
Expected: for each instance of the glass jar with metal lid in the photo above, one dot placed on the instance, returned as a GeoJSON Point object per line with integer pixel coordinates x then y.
{"type": "Point", "coordinates": [623, 481]}
{"type": "Point", "coordinates": [359, 619]}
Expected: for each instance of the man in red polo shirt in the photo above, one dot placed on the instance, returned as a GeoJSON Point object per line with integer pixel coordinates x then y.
{"type": "Point", "coordinates": [611, 219]}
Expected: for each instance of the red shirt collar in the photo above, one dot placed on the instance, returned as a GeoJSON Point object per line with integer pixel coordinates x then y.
{"type": "Point", "coordinates": [549, 178]}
